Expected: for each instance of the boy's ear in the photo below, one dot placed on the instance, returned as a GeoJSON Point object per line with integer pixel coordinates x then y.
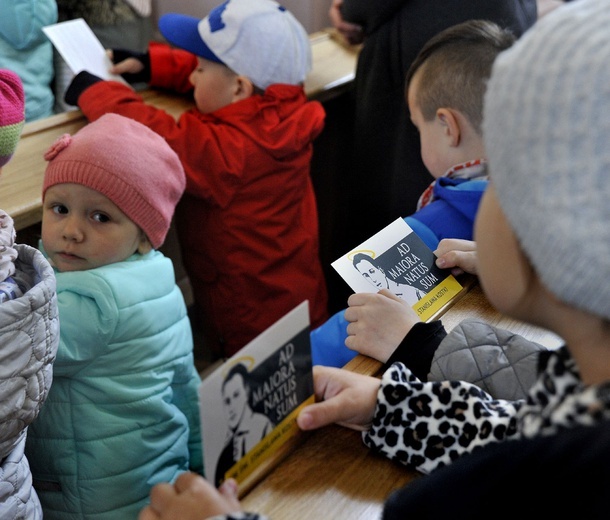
{"type": "Point", "coordinates": [448, 119]}
{"type": "Point", "coordinates": [243, 89]}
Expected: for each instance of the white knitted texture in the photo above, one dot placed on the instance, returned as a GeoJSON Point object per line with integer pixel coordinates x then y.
{"type": "Point", "coordinates": [547, 136]}
{"type": "Point", "coordinates": [142, 7]}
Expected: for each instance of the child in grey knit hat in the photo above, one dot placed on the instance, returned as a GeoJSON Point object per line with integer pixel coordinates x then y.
{"type": "Point", "coordinates": [543, 246]}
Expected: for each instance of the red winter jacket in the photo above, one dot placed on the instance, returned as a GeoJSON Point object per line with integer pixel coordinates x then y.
{"type": "Point", "coordinates": [248, 223]}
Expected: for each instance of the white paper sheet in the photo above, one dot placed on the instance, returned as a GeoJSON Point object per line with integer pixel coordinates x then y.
{"type": "Point", "coordinates": [80, 48]}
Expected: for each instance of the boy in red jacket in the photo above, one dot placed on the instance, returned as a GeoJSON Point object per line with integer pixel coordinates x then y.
{"type": "Point", "coordinates": [248, 223]}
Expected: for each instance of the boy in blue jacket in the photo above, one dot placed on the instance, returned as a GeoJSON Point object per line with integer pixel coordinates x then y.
{"type": "Point", "coordinates": [445, 86]}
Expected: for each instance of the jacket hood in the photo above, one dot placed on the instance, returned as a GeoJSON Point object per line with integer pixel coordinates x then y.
{"type": "Point", "coordinates": [281, 120]}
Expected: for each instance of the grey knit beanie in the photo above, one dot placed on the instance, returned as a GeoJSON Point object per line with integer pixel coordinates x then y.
{"type": "Point", "coordinates": [547, 135]}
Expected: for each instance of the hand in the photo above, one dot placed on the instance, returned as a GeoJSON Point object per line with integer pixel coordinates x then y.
{"type": "Point", "coordinates": [191, 497]}
{"type": "Point", "coordinates": [133, 66]}
{"type": "Point", "coordinates": [458, 255]}
{"type": "Point", "coordinates": [343, 397]}
{"type": "Point", "coordinates": [352, 32]}
{"type": "Point", "coordinates": [378, 323]}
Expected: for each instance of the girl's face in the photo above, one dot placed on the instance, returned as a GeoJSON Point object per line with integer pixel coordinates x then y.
{"type": "Point", "coordinates": [83, 229]}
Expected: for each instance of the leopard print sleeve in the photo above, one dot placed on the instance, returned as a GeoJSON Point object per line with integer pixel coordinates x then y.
{"type": "Point", "coordinates": [428, 425]}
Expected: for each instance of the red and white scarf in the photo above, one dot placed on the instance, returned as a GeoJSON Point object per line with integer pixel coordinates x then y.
{"type": "Point", "coordinates": [469, 170]}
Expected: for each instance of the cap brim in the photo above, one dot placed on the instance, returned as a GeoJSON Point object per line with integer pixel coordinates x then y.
{"type": "Point", "coordinates": [183, 31]}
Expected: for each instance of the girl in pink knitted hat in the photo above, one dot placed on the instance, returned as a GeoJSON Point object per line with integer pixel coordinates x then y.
{"type": "Point", "coordinates": [123, 411]}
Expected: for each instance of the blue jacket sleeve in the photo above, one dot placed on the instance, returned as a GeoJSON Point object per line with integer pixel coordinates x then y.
{"type": "Point", "coordinates": [423, 232]}
{"type": "Point", "coordinates": [328, 342]}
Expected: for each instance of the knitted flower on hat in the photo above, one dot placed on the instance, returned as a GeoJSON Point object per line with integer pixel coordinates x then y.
{"type": "Point", "coordinates": [12, 113]}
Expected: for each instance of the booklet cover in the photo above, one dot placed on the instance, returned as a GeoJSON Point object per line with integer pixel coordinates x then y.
{"type": "Point", "coordinates": [398, 260]}
{"type": "Point", "coordinates": [249, 404]}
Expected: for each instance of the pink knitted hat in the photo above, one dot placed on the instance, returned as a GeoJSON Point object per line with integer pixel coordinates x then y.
{"type": "Point", "coordinates": [128, 163]}
{"type": "Point", "coordinates": [12, 113]}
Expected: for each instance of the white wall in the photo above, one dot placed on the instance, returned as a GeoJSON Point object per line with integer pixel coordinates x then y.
{"type": "Point", "coordinates": [313, 14]}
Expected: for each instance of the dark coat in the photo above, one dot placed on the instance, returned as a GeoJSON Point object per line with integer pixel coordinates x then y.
{"type": "Point", "coordinates": [387, 174]}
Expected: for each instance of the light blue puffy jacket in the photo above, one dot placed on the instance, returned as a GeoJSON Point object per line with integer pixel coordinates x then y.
{"type": "Point", "coordinates": [122, 414]}
{"type": "Point", "coordinates": [26, 50]}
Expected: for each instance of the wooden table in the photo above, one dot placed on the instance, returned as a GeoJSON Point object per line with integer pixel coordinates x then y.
{"type": "Point", "coordinates": [333, 69]}
{"type": "Point", "coordinates": [331, 474]}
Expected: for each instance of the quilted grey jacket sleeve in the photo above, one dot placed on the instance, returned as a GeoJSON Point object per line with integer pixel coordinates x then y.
{"type": "Point", "coordinates": [500, 362]}
{"type": "Point", "coordinates": [29, 337]}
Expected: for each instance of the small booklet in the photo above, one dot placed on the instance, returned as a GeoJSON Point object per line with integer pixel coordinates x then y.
{"type": "Point", "coordinates": [80, 48]}
{"type": "Point", "coordinates": [249, 404]}
{"type": "Point", "coordinates": [396, 259]}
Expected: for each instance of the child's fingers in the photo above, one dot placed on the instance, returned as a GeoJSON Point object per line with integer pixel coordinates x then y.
{"type": "Point", "coordinates": [160, 496]}
{"type": "Point", "coordinates": [128, 66]}
{"type": "Point", "coordinates": [228, 489]}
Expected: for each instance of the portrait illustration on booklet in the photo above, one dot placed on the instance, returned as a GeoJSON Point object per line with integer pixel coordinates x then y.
{"type": "Point", "coordinates": [396, 259]}
{"type": "Point", "coordinates": [249, 404]}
